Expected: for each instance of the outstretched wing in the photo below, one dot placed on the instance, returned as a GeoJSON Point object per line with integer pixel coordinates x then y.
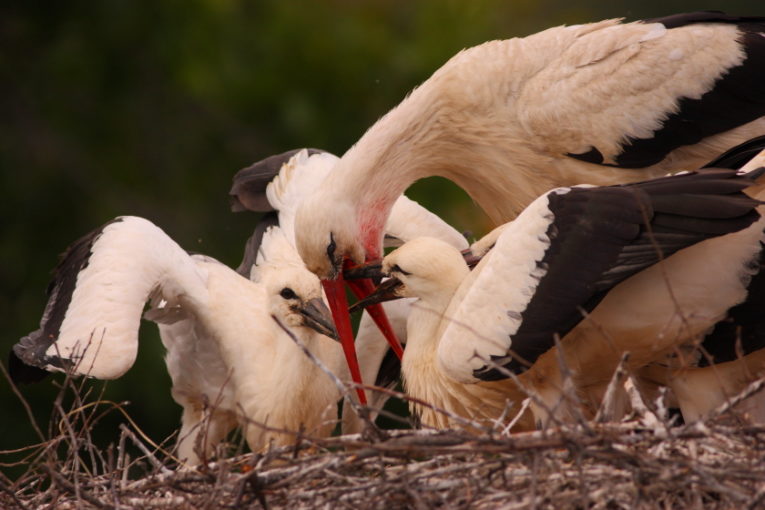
{"type": "Point", "coordinates": [280, 183]}
{"type": "Point", "coordinates": [409, 220]}
{"type": "Point", "coordinates": [629, 94]}
{"type": "Point", "coordinates": [567, 250]}
{"type": "Point", "coordinates": [252, 246]}
{"type": "Point", "coordinates": [248, 189]}
{"type": "Point", "coordinates": [299, 177]}
{"type": "Point", "coordinates": [95, 300]}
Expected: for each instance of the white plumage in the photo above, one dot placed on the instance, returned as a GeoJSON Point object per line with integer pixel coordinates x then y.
{"type": "Point", "coordinates": [601, 103]}
{"type": "Point", "coordinates": [281, 183]}
{"type": "Point", "coordinates": [551, 262]}
{"type": "Point", "coordinates": [231, 364]}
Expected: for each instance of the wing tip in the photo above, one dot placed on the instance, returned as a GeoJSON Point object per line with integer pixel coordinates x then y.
{"type": "Point", "coordinates": [24, 365]}
{"type": "Point", "coordinates": [248, 187]}
{"type": "Point", "coordinates": [22, 373]}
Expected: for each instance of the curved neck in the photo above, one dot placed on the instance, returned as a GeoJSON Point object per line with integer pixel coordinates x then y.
{"type": "Point", "coordinates": [430, 134]}
{"type": "Point", "coordinates": [392, 154]}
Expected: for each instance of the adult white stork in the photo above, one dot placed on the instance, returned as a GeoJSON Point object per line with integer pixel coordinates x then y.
{"type": "Point", "coordinates": [601, 103]}
{"type": "Point", "coordinates": [575, 250]}
{"type": "Point", "coordinates": [229, 361]}
{"type": "Point", "coordinates": [278, 185]}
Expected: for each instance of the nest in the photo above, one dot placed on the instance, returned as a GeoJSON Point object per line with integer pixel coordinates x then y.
{"type": "Point", "coordinates": [644, 461]}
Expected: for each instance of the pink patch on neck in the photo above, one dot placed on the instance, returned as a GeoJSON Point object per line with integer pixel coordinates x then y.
{"type": "Point", "coordinates": [371, 222]}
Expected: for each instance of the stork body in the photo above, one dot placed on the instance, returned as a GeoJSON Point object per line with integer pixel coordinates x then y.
{"type": "Point", "coordinates": [572, 249]}
{"type": "Point", "coordinates": [600, 103]}
{"type": "Point", "coordinates": [230, 362]}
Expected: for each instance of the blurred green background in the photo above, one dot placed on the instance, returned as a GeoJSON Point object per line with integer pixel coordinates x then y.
{"type": "Point", "coordinates": [148, 108]}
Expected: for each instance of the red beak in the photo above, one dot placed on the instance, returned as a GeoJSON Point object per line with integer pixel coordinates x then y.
{"type": "Point", "coordinates": [338, 304]}
{"type": "Point", "coordinates": [363, 288]}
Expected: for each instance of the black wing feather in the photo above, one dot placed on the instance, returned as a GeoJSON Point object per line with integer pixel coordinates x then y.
{"type": "Point", "coordinates": [248, 191]}
{"type": "Point", "coordinates": [253, 243]}
{"type": "Point", "coordinates": [743, 330]}
{"type": "Point", "coordinates": [30, 350]}
{"type": "Point", "coordinates": [601, 236]}
{"type": "Point", "coordinates": [735, 99]}
{"type": "Point", "coordinates": [390, 370]}
{"type": "Point", "coordinates": [739, 155]}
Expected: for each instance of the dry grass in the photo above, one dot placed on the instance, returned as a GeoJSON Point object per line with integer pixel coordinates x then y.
{"type": "Point", "coordinates": [642, 462]}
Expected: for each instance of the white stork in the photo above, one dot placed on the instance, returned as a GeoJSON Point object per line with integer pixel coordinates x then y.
{"type": "Point", "coordinates": [572, 250]}
{"type": "Point", "coordinates": [601, 103]}
{"type": "Point", "coordinates": [229, 361]}
{"type": "Point", "coordinates": [278, 184]}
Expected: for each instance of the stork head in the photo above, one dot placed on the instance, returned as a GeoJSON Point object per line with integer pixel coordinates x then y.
{"type": "Point", "coordinates": [330, 235]}
{"type": "Point", "coordinates": [426, 268]}
{"type": "Point", "coordinates": [295, 298]}
{"type": "Point", "coordinates": [326, 235]}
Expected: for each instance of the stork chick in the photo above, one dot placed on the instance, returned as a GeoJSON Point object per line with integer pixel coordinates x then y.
{"type": "Point", "coordinates": [226, 354]}
{"type": "Point", "coordinates": [278, 185]}
{"type": "Point", "coordinates": [573, 250]}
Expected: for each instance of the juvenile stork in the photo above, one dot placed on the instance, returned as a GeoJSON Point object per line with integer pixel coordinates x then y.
{"type": "Point", "coordinates": [230, 362]}
{"type": "Point", "coordinates": [278, 185]}
{"type": "Point", "coordinates": [575, 252]}
{"type": "Point", "coordinates": [600, 103]}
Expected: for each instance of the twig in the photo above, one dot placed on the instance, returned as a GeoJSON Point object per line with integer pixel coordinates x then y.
{"type": "Point", "coordinates": [607, 409]}
{"type": "Point", "coordinates": [751, 390]}
{"type": "Point", "coordinates": [156, 463]}
{"type": "Point", "coordinates": [361, 411]}
{"type": "Point", "coordinates": [69, 487]}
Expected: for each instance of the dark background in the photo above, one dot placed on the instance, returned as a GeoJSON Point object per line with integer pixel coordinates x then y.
{"type": "Point", "coordinates": [148, 108]}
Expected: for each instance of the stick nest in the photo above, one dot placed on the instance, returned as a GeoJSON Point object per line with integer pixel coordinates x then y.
{"type": "Point", "coordinates": [617, 465]}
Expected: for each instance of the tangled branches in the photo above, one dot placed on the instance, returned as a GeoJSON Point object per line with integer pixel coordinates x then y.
{"type": "Point", "coordinates": [611, 465]}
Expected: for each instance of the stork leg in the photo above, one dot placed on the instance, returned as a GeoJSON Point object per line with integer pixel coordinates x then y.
{"type": "Point", "coordinates": [701, 390]}
{"type": "Point", "coordinates": [201, 431]}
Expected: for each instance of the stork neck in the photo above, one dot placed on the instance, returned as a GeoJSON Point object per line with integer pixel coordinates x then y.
{"type": "Point", "coordinates": [433, 134]}
{"type": "Point", "coordinates": [392, 154]}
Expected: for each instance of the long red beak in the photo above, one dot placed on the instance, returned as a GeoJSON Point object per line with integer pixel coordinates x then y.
{"type": "Point", "coordinates": [338, 304]}
{"type": "Point", "coordinates": [363, 288]}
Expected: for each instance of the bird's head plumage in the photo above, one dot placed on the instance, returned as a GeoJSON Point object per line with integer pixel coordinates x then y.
{"type": "Point", "coordinates": [295, 297]}
{"type": "Point", "coordinates": [426, 267]}
{"type": "Point", "coordinates": [326, 235]}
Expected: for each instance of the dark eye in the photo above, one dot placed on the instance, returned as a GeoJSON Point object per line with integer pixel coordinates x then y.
{"type": "Point", "coordinates": [288, 293]}
{"type": "Point", "coordinates": [397, 269]}
{"type": "Point", "coordinates": [331, 248]}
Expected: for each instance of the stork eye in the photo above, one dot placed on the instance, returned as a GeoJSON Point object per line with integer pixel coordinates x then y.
{"type": "Point", "coordinates": [288, 293]}
{"type": "Point", "coordinates": [397, 269]}
{"type": "Point", "coordinates": [331, 247]}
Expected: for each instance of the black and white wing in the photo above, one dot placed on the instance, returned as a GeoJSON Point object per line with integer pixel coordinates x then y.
{"type": "Point", "coordinates": [281, 183]}
{"type": "Point", "coordinates": [742, 331]}
{"type": "Point", "coordinates": [248, 190]}
{"type": "Point", "coordinates": [252, 246]}
{"type": "Point", "coordinates": [750, 153]}
{"type": "Point", "coordinates": [97, 295]}
{"type": "Point", "coordinates": [627, 95]}
{"type": "Point", "coordinates": [567, 250]}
